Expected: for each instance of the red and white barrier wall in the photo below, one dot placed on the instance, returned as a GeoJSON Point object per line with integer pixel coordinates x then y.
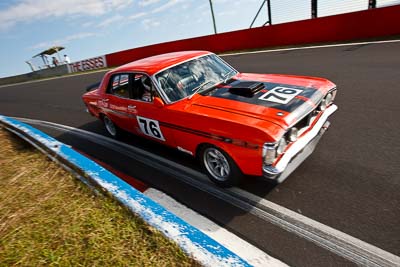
{"type": "Point", "coordinates": [372, 23]}
{"type": "Point", "coordinates": [88, 64]}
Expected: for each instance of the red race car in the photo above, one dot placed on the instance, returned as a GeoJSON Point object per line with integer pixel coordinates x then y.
{"type": "Point", "coordinates": [236, 124]}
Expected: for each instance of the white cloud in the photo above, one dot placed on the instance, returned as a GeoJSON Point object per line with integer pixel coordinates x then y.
{"type": "Point", "coordinates": [114, 19]}
{"type": "Point", "coordinates": [110, 20]}
{"type": "Point", "coordinates": [204, 6]}
{"type": "Point", "coordinates": [148, 2]}
{"type": "Point", "coordinates": [87, 24]}
{"type": "Point", "coordinates": [63, 41]}
{"type": "Point", "coordinates": [120, 19]}
{"type": "Point", "coordinates": [205, 13]}
{"type": "Point", "coordinates": [137, 15]}
{"type": "Point", "coordinates": [227, 13]}
{"type": "Point", "coordinates": [169, 4]}
{"type": "Point", "coordinates": [34, 10]}
{"type": "Point", "coordinates": [150, 23]}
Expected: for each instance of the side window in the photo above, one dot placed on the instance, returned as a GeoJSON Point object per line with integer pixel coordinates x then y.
{"type": "Point", "coordinates": [119, 85]}
{"type": "Point", "coordinates": [143, 88]}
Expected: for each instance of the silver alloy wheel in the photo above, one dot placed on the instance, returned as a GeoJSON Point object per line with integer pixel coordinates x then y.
{"type": "Point", "coordinates": [217, 164]}
{"type": "Point", "coordinates": [110, 126]}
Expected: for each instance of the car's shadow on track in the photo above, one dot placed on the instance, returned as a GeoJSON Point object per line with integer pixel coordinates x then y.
{"type": "Point", "coordinates": [257, 186]}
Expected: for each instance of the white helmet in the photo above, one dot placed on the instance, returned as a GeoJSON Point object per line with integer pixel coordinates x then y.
{"type": "Point", "coordinates": [146, 82]}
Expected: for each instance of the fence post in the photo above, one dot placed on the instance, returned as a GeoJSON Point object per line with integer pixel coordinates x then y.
{"type": "Point", "coordinates": [314, 8]}
{"type": "Point", "coordinates": [213, 17]}
{"type": "Point", "coordinates": [371, 4]}
{"type": "Point", "coordinates": [269, 12]}
{"type": "Point", "coordinates": [258, 12]}
{"type": "Point", "coordinates": [269, 21]}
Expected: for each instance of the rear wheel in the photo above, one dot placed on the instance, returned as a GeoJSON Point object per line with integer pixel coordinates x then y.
{"type": "Point", "coordinates": [111, 128]}
{"type": "Point", "coordinates": [220, 167]}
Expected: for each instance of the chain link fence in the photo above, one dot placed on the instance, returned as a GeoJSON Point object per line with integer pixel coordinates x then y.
{"type": "Point", "coordinates": [281, 11]}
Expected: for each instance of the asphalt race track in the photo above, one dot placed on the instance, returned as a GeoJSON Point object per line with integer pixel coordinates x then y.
{"type": "Point", "coordinates": [350, 183]}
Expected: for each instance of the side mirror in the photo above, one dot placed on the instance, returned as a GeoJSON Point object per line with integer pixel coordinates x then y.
{"type": "Point", "coordinates": [158, 102]}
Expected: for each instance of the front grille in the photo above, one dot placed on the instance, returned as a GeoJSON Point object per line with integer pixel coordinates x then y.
{"type": "Point", "coordinates": [305, 122]}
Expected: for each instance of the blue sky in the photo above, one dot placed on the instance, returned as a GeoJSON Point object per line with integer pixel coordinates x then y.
{"type": "Point", "coordinates": [88, 28]}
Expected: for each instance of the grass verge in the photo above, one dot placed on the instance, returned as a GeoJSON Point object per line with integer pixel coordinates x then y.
{"type": "Point", "coordinates": [47, 217]}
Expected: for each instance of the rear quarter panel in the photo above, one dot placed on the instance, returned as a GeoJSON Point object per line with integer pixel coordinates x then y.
{"type": "Point", "coordinates": [91, 100]}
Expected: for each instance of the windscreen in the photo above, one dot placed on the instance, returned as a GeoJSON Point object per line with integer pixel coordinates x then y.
{"type": "Point", "coordinates": [193, 76]}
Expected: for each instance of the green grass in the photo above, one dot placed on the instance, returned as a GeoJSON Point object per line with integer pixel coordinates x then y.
{"type": "Point", "coordinates": [49, 218]}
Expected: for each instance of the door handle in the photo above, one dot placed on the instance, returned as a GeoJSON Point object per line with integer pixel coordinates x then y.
{"type": "Point", "coordinates": [131, 107]}
{"type": "Point", "coordinates": [105, 100]}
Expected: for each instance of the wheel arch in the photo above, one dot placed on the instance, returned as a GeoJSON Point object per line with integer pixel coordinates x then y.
{"type": "Point", "coordinates": [247, 159]}
{"type": "Point", "coordinates": [233, 174]}
{"type": "Point", "coordinates": [219, 145]}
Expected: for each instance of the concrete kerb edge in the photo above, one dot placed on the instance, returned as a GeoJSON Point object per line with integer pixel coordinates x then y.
{"type": "Point", "coordinates": [195, 243]}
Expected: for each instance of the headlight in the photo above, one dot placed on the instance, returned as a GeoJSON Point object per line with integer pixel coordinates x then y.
{"type": "Point", "coordinates": [322, 105]}
{"type": "Point", "coordinates": [329, 99]}
{"type": "Point", "coordinates": [269, 153]}
{"type": "Point", "coordinates": [281, 146]}
{"type": "Point", "coordinates": [293, 134]}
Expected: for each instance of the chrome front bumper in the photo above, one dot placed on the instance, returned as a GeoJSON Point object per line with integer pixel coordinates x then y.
{"type": "Point", "coordinates": [298, 151]}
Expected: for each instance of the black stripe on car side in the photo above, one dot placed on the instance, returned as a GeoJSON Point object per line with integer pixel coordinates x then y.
{"type": "Point", "coordinates": [211, 136]}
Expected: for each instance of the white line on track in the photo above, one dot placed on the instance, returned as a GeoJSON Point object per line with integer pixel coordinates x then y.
{"type": "Point", "coordinates": [324, 236]}
{"type": "Point", "coordinates": [309, 47]}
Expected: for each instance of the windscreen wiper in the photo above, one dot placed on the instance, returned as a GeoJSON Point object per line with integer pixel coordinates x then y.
{"type": "Point", "coordinates": [198, 88]}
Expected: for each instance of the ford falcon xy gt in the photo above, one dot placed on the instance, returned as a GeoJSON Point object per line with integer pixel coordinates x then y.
{"type": "Point", "coordinates": [235, 124]}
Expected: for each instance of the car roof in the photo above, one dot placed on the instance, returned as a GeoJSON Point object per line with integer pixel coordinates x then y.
{"type": "Point", "coordinates": [154, 64]}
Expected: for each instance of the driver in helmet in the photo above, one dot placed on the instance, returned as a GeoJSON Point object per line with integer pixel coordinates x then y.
{"type": "Point", "coordinates": [147, 88]}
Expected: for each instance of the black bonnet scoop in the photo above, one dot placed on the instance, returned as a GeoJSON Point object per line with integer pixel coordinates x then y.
{"type": "Point", "coordinates": [247, 88]}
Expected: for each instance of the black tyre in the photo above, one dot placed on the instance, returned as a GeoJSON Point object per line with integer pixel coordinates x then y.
{"type": "Point", "coordinates": [219, 166]}
{"type": "Point", "coordinates": [111, 128]}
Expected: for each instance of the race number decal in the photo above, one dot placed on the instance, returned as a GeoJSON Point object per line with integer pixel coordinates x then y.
{"type": "Point", "coordinates": [150, 127]}
{"type": "Point", "coordinates": [281, 95]}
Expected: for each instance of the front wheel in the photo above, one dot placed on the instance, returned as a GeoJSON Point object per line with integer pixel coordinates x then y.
{"type": "Point", "coordinates": [220, 168]}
